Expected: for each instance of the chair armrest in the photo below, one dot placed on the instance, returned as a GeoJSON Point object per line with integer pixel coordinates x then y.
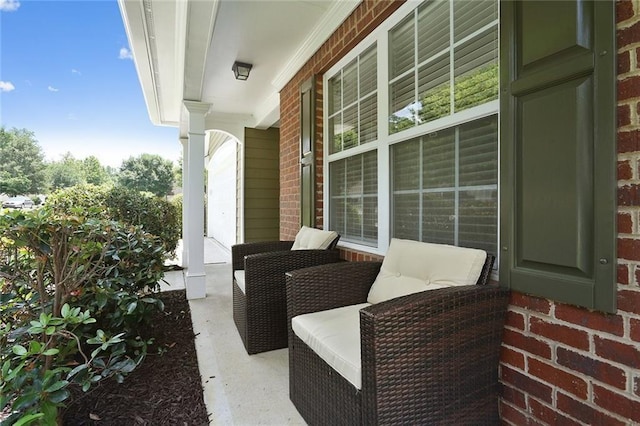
{"type": "Point", "coordinates": [442, 343]}
{"type": "Point", "coordinates": [239, 251]}
{"type": "Point", "coordinates": [329, 286]}
{"type": "Point", "coordinates": [263, 270]}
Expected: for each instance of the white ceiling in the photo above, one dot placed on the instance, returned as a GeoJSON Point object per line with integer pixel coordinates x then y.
{"type": "Point", "coordinates": [169, 41]}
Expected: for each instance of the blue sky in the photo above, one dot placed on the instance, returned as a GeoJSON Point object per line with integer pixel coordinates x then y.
{"type": "Point", "coordinates": [66, 74]}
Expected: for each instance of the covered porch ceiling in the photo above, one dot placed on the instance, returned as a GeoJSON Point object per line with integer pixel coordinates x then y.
{"type": "Point", "coordinates": [184, 50]}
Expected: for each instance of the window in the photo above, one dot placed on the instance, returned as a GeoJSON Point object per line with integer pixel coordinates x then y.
{"type": "Point", "coordinates": [412, 141]}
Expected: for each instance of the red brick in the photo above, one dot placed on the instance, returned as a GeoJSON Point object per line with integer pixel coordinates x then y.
{"type": "Point", "coordinates": [624, 63]}
{"type": "Point", "coordinates": [617, 403]}
{"type": "Point", "coordinates": [513, 396]}
{"type": "Point", "coordinates": [584, 412]}
{"type": "Point", "coordinates": [624, 170]}
{"type": "Point", "coordinates": [629, 141]}
{"type": "Point", "coordinates": [624, 10]}
{"type": "Point", "coordinates": [629, 248]}
{"type": "Point", "coordinates": [515, 417]}
{"type": "Point", "coordinates": [526, 343]}
{"type": "Point", "coordinates": [628, 35]}
{"type": "Point", "coordinates": [548, 415]}
{"type": "Point", "coordinates": [530, 303]}
{"type": "Point", "coordinates": [520, 381]}
{"type": "Point", "coordinates": [629, 301]}
{"type": "Point", "coordinates": [625, 223]}
{"type": "Point", "coordinates": [629, 87]}
{"type": "Point", "coordinates": [623, 274]}
{"type": "Point", "coordinates": [566, 381]}
{"type": "Point", "coordinates": [515, 320]}
{"type": "Point", "coordinates": [611, 324]}
{"type": "Point", "coordinates": [512, 358]}
{"type": "Point", "coordinates": [624, 115]}
{"type": "Point", "coordinates": [570, 336]}
{"type": "Point", "coordinates": [599, 370]}
{"type": "Point", "coordinates": [618, 352]}
{"type": "Point", "coordinates": [635, 329]}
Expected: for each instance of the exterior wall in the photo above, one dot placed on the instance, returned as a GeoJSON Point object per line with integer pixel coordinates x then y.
{"type": "Point", "coordinates": [221, 195]}
{"type": "Point", "coordinates": [560, 364]}
{"type": "Point", "coordinates": [261, 185]}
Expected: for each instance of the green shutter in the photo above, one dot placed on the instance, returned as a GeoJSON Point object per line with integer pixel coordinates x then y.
{"type": "Point", "coordinates": [558, 153]}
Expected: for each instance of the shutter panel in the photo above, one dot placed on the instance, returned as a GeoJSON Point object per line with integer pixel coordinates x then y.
{"type": "Point", "coordinates": [558, 150]}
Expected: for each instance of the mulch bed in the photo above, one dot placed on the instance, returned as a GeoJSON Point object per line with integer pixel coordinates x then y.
{"type": "Point", "coordinates": [163, 390]}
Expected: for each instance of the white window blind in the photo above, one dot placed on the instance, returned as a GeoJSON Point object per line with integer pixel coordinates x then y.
{"type": "Point", "coordinates": [354, 198]}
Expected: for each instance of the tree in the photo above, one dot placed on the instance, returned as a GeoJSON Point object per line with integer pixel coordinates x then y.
{"type": "Point", "coordinates": [22, 168]}
{"type": "Point", "coordinates": [148, 172]}
{"type": "Point", "coordinates": [66, 172]}
{"type": "Point", "coordinates": [94, 172]}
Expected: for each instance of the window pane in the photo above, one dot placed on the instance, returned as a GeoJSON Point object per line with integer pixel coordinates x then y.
{"type": "Point", "coordinates": [368, 71]}
{"type": "Point", "coordinates": [335, 95]}
{"type": "Point", "coordinates": [350, 84]}
{"type": "Point", "coordinates": [335, 127]}
{"type": "Point", "coordinates": [439, 159]}
{"type": "Point", "coordinates": [479, 220]}
{"type": "Point", "coordinates": [434, 90]}
{"type": "Point", "coordinates": [350, 128]}
{"type": "Point", "coordinates": [433, 29]}
{"type": "Point", "coordinates": [401, 47]}
{"type": "Point", "coordinates": [438, 217]}
{"type": "Point", "coordinates": [471, 15]}
{"type": "Point", "coordinates": [402, 104]}
{"type": "Point", "coordinates": [337, 178]}
{"type": "Point", "coordinates": [406, 216]}
{"type": "Point", "coordinates": [370, 227]}
{"type": "Point", "coordinates": [479, 152]}
{"type": "Point", "coordinates": [476, 71]}
{"type": "Point", "coordinates": [406, 165]}
{"type": "Point", "coordinates": [369, 119]}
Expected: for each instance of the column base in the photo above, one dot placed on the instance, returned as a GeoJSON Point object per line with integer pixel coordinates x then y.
{"type": "Point", "coordinates": [196, 285]}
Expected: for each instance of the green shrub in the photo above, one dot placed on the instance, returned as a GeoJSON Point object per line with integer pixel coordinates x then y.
{"type": "Point", "coordinates": [51, 265]}
{"type": "Point", "coordinates": [157, 216]}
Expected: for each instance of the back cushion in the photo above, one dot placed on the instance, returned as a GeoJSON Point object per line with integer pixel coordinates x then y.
{"type": "Point", "coordinates": [311, 238]}
{"type": "Point", "coordinates": [411, 266]}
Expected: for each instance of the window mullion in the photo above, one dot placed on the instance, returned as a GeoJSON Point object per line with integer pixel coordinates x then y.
{"type": "Point", "coordinates": [451, 61]}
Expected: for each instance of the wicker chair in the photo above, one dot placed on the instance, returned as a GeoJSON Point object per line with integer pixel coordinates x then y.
{"type": "Point", "coordinates": [426, 358]}
{"type": "Point", "coordinates": [259, 293]}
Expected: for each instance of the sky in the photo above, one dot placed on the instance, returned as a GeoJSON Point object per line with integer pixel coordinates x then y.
{"type": "Point", "coordinates": [67, 74]}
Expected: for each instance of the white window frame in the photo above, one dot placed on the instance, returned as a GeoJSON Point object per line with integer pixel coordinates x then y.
{"type": "Point", "coordinates": [385, 140]}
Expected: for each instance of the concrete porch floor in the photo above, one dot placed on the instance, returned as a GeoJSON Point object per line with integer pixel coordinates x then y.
{"type": "Point", "coordinates": [238, 389]}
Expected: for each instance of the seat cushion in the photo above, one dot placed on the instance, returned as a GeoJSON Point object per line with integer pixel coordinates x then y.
{"type": "Point", "coordinates": [334, 335]}
{"type": "Point", "coordinates": [412, 266]}
{"type": "Point", "coordinates": [313, 239]}
{"type": "Point", "coordinates": [239, 276]}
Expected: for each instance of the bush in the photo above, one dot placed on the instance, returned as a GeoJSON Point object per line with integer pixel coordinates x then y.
{"type": "Point", "coordinates": [156, 215]}
{"type": "Point", "coordinates": [51, 266]}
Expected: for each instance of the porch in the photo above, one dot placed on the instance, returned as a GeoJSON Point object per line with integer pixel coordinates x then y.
{"type": "Point", "coordinates": [238, 389]}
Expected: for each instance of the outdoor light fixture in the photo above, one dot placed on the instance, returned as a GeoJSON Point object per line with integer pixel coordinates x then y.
{"type": "Point", "coordinates": [241, 70]}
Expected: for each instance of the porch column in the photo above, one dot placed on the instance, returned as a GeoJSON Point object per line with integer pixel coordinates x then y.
{"type": "Point", "coordinates": [185, 194]}
{"type": "Point", "coordinates": [194, 203]}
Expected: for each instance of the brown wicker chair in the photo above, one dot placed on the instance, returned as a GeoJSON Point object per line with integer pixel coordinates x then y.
{"type": "Point", "coordinates": [260, 311]}
{"type": "Point", "coordinates": [426, 358]}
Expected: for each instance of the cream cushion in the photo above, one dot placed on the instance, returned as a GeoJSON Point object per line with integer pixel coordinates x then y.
{"type": "Point", "coordinates": [239, 276]}
{"type": "Point", "coordinates": [334, 335]}
{"type": "Point", "coordinates": [311, 238]}
{"type": "Point", "coordinates": [412, 266]}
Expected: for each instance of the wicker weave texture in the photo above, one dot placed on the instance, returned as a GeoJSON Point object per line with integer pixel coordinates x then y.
{"type": "Point", "coordinates": [260, 313]}
{"type": "Point", "coordinates": [427, 358]}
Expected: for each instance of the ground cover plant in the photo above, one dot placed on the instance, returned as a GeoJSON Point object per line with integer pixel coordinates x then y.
{"type": "Point", "coordinates": [77, 288]}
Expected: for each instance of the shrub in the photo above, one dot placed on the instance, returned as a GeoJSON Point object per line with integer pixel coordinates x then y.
{"type": "Point", "coordinates": [51, 265]}
{"type": "Point", "coordinates": [86, 200]}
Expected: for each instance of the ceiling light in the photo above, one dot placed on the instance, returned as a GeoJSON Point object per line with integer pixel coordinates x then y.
{"type": "Point", "coordinates": [241, 70]}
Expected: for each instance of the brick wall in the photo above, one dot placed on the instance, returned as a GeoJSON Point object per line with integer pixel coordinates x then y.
{"type": "Point", "coordinates": [366, 17]}
{"type": "Point", "coordinates": [566, 365]}
{"type": "Point", "coordinates": [560, 364]}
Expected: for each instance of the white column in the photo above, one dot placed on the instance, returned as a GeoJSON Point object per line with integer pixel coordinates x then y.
{"type": "Point", "coordinates": [185, 200]}
{"type": "Point", "coordinates": [195, 277]}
